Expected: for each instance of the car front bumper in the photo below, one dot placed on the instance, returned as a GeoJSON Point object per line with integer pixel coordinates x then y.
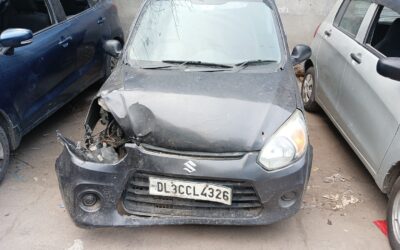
{"type": "Point", "coordinates": [109, 183]}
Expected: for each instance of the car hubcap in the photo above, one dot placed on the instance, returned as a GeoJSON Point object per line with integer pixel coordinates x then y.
{"type": "Point", "coordinates": [307, 88]}
{"type": "Point", "coordinates": [396, 217]}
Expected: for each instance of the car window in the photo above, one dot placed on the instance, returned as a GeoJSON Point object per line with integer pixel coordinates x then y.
{"type": "Point", "coordinates": [353, 16]}
{"type": "Point", "coordinates": [388, 16]}
{"type": "Point", "coordinates": [227, 32]}
{"type": "Point", "coordinates": [74, 7]}
{"type": "Point", "coordinates": [32, 15]}
{"type": "Point", "coordinates": [384, 35]}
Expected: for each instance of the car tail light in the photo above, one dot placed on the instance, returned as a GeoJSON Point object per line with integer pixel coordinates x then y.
{"type": "Point", "coordinates": [316, 31]}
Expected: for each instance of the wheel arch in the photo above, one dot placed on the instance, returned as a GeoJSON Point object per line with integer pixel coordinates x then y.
{"type": "Point", "coordinates": [14, 137]}
{"type": "Point", "coordinates": [391, 177]}
{"type": "Point", "coordinates": [308, 64]}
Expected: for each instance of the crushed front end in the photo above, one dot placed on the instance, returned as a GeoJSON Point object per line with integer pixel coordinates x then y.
{"type": "Point", "coordinates": [106, 182]}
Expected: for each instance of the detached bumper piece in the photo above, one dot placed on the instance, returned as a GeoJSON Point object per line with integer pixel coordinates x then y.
{"type": "Point", "coordinates": [104, 195]}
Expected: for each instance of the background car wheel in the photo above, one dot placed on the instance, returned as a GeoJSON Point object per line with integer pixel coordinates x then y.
{"type": "Point", "coordinates": [4, 153]}
{"type": "Point", "coordinates": [308, 91]}
{"type": "Point", "coordinates": [393, 216]}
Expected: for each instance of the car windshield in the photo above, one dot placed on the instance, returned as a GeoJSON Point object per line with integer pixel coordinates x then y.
{"type": "Point", "coordinates": [208, 32]}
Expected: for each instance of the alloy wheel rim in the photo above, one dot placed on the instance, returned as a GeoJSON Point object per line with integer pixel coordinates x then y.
{"type": "Point", "coordinates": [396, 217]}
{"type": "Point", "coordinates": [308, 88]}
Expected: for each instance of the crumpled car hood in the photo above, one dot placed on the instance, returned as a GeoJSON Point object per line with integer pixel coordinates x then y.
{"type": "Point", "coordinates": [199, 111]}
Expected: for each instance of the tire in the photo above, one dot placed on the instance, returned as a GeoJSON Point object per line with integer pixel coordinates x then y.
{"type": "Point", "coordinates": [393, 213]}
{"type": "Point", "coordinates": [308, 91]}
{"type": "Point", "coordinates": [4, 154]}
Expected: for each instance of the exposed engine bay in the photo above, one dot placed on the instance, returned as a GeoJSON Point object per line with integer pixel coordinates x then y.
{"type": "Point", "coordinates": [104, 138]}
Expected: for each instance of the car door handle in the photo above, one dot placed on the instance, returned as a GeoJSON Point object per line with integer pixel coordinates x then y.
{"type": "Point", "coordinates": [64, 41]}
{"type": "Point", "coordinates": [356, 58]}
{"type": "Point", "coordinates": [101, 20]}
{"type": "Point", "coordinates": [328, 33]}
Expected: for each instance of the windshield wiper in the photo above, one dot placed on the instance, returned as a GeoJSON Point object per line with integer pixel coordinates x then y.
{"type": "Point", "coordinates": [181, 63]}
{"type": "Point", "coordinates": [252, 62]}
{"type": "Point", "coordinates": [242, 65]}
{"type": "Point", "coordinates": [157, 67]}
{"type": "Point", "coordinates": [198, 63]}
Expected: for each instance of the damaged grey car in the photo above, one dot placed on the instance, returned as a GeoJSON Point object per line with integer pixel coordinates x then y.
{"type": "Point", "coordinates": [201, 122]}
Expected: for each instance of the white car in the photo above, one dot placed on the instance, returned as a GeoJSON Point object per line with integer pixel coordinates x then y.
{"type": "Point", "coordinates": [354, 76]}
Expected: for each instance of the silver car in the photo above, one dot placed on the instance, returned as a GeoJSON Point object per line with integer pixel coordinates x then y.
{"type": "Point", "coordinates": [354, 76]}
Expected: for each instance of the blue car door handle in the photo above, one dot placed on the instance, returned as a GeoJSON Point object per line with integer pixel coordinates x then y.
{"type": "Point", "coordinates": [101, 20]}
{"type": "Point", "coordinates": [64, 41]}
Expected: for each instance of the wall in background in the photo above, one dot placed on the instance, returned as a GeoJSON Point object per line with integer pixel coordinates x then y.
{"type": "Point", "coordinates": [300, 17]}
{"type": "Point", "coordinates": [127, 10]}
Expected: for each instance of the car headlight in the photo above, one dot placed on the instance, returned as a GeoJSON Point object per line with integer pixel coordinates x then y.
{"type": "Point", "coordinates": [287, 145]}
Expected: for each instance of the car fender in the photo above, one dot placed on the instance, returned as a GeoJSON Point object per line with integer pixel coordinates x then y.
{"type": "Point", "coordinates": [390, 168]}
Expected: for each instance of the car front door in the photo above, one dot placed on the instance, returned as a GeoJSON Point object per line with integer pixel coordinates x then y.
{"type": "Point", "coordinates": [336, 38]}
{"type": "Point", "coordinates": [367, 99]}
{"type": "Point", "coordinates": [39, 68]}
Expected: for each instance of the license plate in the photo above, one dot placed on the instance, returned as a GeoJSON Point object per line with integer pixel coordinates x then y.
{"type": "Point", "coordinates": [190, 190]}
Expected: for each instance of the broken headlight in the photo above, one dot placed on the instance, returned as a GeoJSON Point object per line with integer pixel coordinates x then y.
{"type": "Point", "coordinates": [287, 145]}
{"type": "Point", "coordinates": [104, 138]}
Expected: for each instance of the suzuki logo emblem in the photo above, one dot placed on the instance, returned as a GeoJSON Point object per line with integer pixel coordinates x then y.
{"type": "Point", "coordinates": [190, 167]}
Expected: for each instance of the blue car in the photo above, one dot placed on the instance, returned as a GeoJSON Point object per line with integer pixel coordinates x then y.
{"type": "Point", "coordinates": [50, 51]}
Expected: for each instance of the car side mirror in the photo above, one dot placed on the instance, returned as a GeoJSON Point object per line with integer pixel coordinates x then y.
{"type": "Point", "coordinates": [14, 38]}
{"type": "Point", "coordinates": [389, 67]}
{"type": "Point", "coordinates": [113, 48]}
{"type": "Point", "coordinates": [300, 54]}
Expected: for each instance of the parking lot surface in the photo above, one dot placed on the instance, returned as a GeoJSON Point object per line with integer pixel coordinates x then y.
{"type": "Point", "coordinates": [340, 205]}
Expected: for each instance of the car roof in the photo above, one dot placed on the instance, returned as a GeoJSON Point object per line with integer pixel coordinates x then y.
{"type": "Point", "coordinates": [392, 4]}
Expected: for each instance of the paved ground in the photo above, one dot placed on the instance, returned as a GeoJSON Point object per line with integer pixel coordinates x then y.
{"type": "Point", "coordinates": [32, 215]}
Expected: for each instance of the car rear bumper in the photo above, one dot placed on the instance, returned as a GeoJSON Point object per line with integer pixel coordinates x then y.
{"type": "Point", "coordinates": [111, 182]}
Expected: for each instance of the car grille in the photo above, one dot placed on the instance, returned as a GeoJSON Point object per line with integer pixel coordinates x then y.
{"type": "Point", "coordinates": [138, 201]}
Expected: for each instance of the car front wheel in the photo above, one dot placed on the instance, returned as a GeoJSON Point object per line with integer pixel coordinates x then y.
{"type": "Point", "coordinates": [308, 91]}
{"type": "Point", "coordinates": [393, 216]}
{"type": "Point", "coordinates": [4, 153]}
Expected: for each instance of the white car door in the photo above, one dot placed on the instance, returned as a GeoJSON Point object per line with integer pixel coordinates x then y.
{"type": "Point", "coordinates": [366, 98]}
{"type": "Point", "coordinates": [335, 39]}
